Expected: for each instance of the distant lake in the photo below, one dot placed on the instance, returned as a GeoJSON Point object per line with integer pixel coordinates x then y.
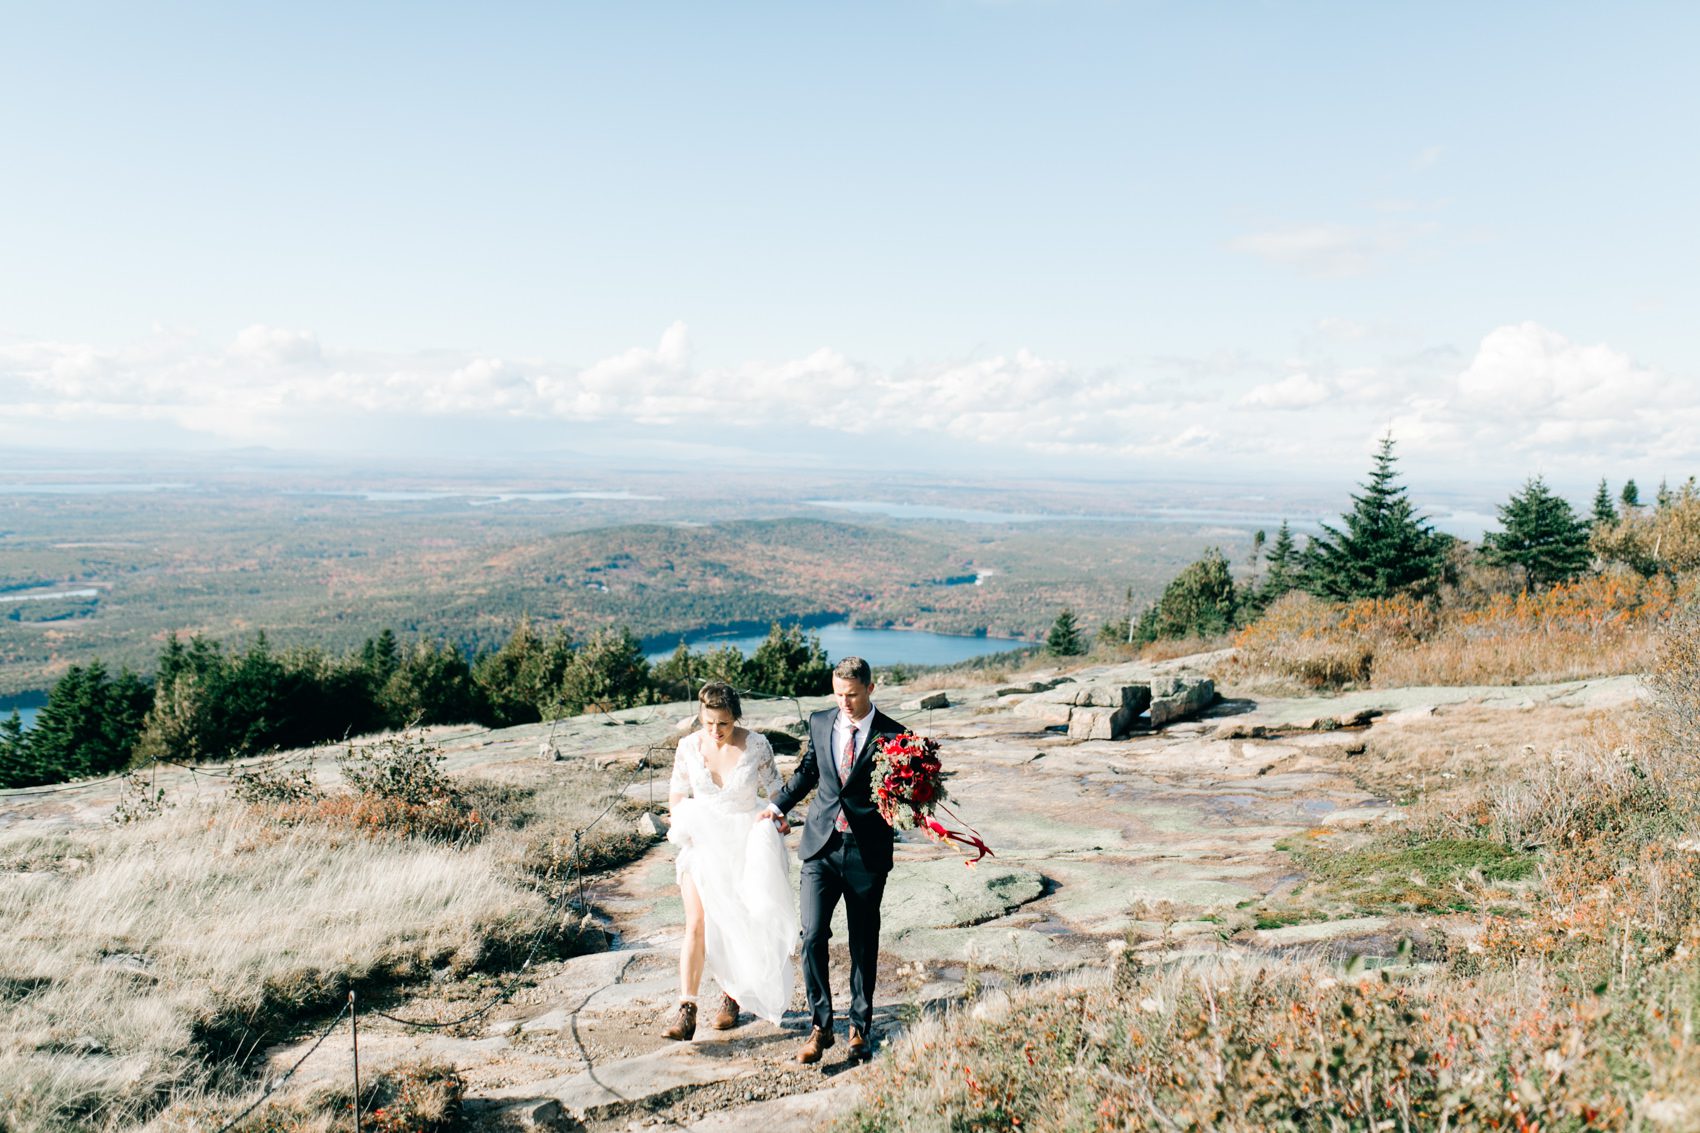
{"type": "Point", "coordinates": [1463, 523]}
{"type": "Point", "coordinates": [876, 646]}
{"type": "Point", "coordinates": [476, 499]}
{"type": "Point", "coordinates": [28, 705]}
{"type": "Point", "coordinates": [87, 489]}
{"type": "Point", "coordinates": [983, 515]}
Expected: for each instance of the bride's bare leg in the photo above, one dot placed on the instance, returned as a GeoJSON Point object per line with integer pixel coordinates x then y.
{"type": "Point", "coordinates": [691, 948]}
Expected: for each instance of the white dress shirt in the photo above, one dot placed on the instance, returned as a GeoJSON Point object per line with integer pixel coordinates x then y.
{"type": "Point", "coordinates": [840, 737]}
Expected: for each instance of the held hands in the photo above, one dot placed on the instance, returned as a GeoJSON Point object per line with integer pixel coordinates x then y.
{"type": "Point", "coordinates": [777, 818]}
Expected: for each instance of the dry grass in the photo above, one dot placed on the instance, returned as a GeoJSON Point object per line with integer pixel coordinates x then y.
{"type": "Point", "coordinates": [1566, 1001]}
{"type": "Point", "coordinates": [144, 964]}
{"type": "Point", "coordinates": [1293, 1046]}
{"type": "Point", "coordinates": [1593, 627]}
{"type": "Point", "coordinates": [1445, 759]}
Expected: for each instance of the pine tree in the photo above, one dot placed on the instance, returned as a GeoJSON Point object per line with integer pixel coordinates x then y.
{"type": "Point", "coordinates": [69, 739]}
{"type": "Point", "coordinates": [1064, 639]}
{"type": "Point", "coordinates": [173, 661]}
{"type": "Point", "coordinates": [431, 685]}
{"type": "Point", "coordinates": [380, 655]}
{"type": "Point", "coordinates": [1604, 512]}
{"type": "Point", "coordinates": [1385, 549]}
{"type": "Point", "coordinates": [13, 752]}
{"type": "Point", "coordinates": [1662, 498]}
{"type": "Point", "coordinates": [1543, 537]}
{"type": "Point", "coordinates": [607, 673]}
{"type": "Point", "coordinates": [1200, 601]}
{"type": "Point", "coordinates": [1282, 574]}
{"type": "Point", "coordinates": [1630, 496]}
{"type": "Point", "coordinates": [790, 662]}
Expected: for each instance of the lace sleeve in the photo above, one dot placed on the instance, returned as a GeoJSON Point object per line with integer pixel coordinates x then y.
{"type": "Point", "coordinates": [680, 783]}
{"type": "Point", "coordinates": [768, 781]}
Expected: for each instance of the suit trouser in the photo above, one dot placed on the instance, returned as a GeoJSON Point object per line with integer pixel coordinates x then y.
{"type": "Point", "coordinates": [839, 873]}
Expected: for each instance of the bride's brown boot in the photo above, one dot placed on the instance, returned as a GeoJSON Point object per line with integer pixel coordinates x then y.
{"type": "Point", "coordinates": [686, 1025]}
{"type": "Point", "coordinates": [727, 1017]}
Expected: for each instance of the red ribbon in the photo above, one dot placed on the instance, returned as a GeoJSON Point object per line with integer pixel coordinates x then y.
{"type": "Point", "coordinates": [939, 832]}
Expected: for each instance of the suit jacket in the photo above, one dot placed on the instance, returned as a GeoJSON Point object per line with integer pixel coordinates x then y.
{"type": "Point", "coordinates": [855, 797]}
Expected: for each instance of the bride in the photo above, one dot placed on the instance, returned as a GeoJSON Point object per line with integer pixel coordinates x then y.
{"type": "Point", "coordinates": [733, 868]}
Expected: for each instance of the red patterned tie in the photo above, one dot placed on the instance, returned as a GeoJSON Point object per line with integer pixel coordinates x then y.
{"type": "Point", "coordinates": [844, 763]}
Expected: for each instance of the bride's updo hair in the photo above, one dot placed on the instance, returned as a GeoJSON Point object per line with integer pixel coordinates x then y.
{"type": "Point", "coordinates": [719, 694]}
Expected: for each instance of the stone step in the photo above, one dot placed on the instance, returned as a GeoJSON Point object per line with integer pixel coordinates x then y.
{"type": "Point", "coordinates": [613, 1088]}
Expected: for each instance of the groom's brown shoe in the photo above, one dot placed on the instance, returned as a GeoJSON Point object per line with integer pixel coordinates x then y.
{"type": "Point", "coordinates": [819, 1042]}
{"type": "Point", "coordinates": [859, 1050]}
{"type": "Point", "coordinates": [727, 1017]}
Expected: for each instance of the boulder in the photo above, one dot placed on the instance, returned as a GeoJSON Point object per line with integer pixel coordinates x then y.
{"type": "Point", "coordinates": [1097, 711]}
{"type": "Point", "coordinates": [1098, 724]}
{"type": "Point", "coordinates": [928, 702]}
{"type": "Point", "coordinates": [1047, 708]}
{"type": "Point", "coordinates": [783, 743]}
{"type": "Point", "coordinates": [1175, 698]}
{"type": "Point", "coordinates": [650, 826]}
{"type": "Point", "coordinates": [792, 725]}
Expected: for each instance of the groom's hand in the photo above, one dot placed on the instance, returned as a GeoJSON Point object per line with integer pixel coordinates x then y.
{"type": "Point", "coordinates": [778, 819]}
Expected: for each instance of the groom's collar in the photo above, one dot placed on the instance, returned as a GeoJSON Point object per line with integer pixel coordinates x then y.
{"type": "Point", "coordinates": [862, 724]}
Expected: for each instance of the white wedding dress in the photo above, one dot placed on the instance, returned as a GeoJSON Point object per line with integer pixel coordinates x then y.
{"type": "Point", "coordinates": [742, 872]}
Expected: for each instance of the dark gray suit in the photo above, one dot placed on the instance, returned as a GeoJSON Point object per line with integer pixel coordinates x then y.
{"type": "Point", "coordinates": [850, 866]}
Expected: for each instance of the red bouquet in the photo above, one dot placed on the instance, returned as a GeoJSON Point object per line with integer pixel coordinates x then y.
{"type": "Point", "coordinates": [909, 787]}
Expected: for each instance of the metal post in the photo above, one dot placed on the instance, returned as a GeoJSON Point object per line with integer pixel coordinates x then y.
{"type": "Point", "coordinates": [354, 1033]}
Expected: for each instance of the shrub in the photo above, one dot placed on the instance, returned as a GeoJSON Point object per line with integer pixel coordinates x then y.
{"type": "Point", "coordinates": [263, 786]}
{"type": "Point", "coordinates": [1201, 601]}
{"type": "Point", "coordinates": [1595, 625]}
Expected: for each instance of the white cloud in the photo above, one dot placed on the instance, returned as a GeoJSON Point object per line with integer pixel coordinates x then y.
{"type": "Point", "coordinates": [274, 346]}
{"type": "Point", "coordinates": [1527, 396]}
{"type": "Point", "coordinates": [1335, 251]}
{"type": "Point", "coordinates": [1296, 391]}
{"type": "Point", "coordinates": [1428, 157]}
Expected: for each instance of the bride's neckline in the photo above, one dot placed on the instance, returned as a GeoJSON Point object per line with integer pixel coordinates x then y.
{"type": "Point", "coordinates": [702, 756]}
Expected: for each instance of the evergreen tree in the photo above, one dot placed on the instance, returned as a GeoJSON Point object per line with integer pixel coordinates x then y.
{"type": "Point", "coordinates": [1385, 549]}
{"type": "Point", "coordinates": [1662, 498]}
{"type": "Point", "coordinates": [431, 685]}
{"type": "Point", "coordinates": [128, 700]}
{"type": "Point", "coordinates": [87, 727]}
{"type": "Point", "coordinates": [518, 681]}
{"type": "Point", "coordinates": [1631, 495]}
{"type": "Point", "coordinates": [380, 656]}
{"type": "Point", "coordinates": [1064, 639]}
{"type": "Point", "coordinates": [1200, 601]}
{"type": "Point", "coordinates": [1282, 574]}
{"type": "Point", "coordinates": [13, 752]}
{"type": "Point", "coordinates": [178, 725]}
{"type": "Point", "coordinates": [1543, 537]}
{"type": "Point", "coordinates": [607, 673]}
{"type": "Point", "coordinates": [1604, 512]}
{"type": "Point", "coordinates": [173, 660]}
{"type": "Point", "coordinates": [789, 662]}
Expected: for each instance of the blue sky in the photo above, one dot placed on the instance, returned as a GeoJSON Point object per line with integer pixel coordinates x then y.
{"type": "Point", "coordinates": [1115, 237]}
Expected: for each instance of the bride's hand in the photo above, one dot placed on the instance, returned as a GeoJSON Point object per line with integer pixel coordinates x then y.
{"type": "Point", "coordinates": [778, 820]}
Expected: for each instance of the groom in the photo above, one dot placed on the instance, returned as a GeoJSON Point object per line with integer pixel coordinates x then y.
{"type": "Point", "coordinates": [846, 851]}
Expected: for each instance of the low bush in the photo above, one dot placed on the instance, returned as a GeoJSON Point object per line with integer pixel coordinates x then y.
{"type": "Point", "coordinates": [1593, 626]}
